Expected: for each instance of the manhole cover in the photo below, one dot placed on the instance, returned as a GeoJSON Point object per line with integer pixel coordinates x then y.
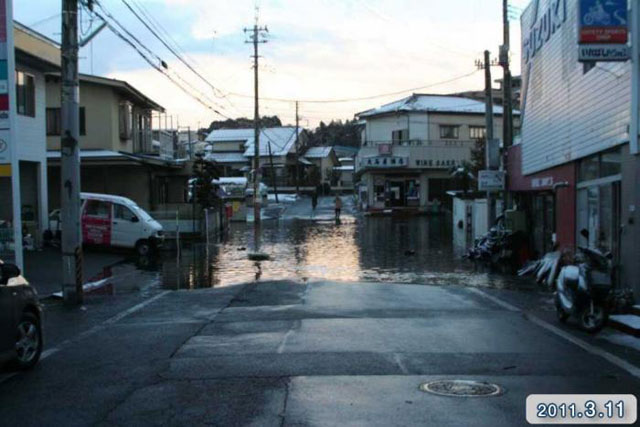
{"type": "Point", "coordinates": [461, 388]}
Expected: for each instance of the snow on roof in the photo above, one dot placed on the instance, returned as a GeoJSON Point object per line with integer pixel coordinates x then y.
{"type": "Point", "coordinates": [227, 157]}
{"type": "Point", "coordinates": [346, 159]}
{"type": "Point", "coordinates": [318, 152]}
{"type": "Point", "coordinates": [304, 161]}
{"type": "Point", "coordinates": [433, 103]}
{"type": "Point", "coordinates": [344, 168]}
{"type": "Point", "coordinates": [281, 139]}
{"type": "Point", "coordinates": [231, 180]}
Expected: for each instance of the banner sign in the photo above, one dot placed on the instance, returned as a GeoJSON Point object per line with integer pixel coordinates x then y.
{"type": "Point", "coordinates": [603, 21]}
{"type": "Point", "coordinates": [603, 52]}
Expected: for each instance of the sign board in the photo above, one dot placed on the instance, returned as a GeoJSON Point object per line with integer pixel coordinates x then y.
{"type": "Point", "coordinates": [490, 180]}
{"type": "Point", "coordinates": [603, 30]}
{"type": "Point", "coordinates": [384, 162]}
{"type": "Point", "coordinates": [603, 52]}
{"type": "Point", "coordinates": [384, 149]}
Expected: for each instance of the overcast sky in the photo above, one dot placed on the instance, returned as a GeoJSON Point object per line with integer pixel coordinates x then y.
{"type": "Point", "coordinates": [316, 50]}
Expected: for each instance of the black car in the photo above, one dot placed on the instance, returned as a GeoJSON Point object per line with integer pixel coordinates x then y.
{"type": "Point", "coordinates": [20, 319]}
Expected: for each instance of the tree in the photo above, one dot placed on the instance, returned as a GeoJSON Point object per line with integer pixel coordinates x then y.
{"type": "Point", "coordinates": [243, 123]}
{"type": "Point", "coordinates": [336, 132]}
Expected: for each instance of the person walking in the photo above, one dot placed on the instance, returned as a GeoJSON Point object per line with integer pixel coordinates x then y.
{"type": "Point", "coordinates": [314, 203]}
{"type": "Point", "coordinates": [338, 207]}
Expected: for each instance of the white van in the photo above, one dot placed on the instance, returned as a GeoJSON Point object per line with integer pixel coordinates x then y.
{"type": "Point", "coordinates": [109, 220]}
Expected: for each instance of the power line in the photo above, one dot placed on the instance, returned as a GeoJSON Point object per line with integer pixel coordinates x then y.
{"type": "Point", "coordinates": [364, 98]}
{"type": "Point", "coordinates": [149, 61]}
{"type": "Point", "coordinates": [216, 91]}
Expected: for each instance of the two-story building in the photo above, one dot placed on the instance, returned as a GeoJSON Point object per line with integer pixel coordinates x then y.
{"type": "Point", "coordinates": [574, 168]}
{"type": "Point", "coordinates": [410, 146]}
{"type": "Point", "coordinates": [118, 153]}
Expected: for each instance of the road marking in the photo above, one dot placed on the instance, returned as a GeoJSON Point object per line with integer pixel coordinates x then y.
{"type": "Point", "coordinates": [91, 331]}
{"type": "Point", "coordinates": [612, 358]}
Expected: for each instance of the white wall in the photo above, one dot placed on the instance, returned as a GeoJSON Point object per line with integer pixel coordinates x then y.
{"type": "Point", "coordinates": [31, 131]}
{"type": "Point", "coordinates": [568, 114]}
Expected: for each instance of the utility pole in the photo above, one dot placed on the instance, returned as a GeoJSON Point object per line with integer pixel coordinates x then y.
{"type": "Point", "coordinates": [273, 171]}
{"type": "Point", "coordinates": [70, 154]}
{"type": "Point", "coordinates": [255, 38]}
{"type": "Point", "coordinates": [489, 148]}
{"type": "Point", "coordinates": [297, 152]}
{"type": "Point", "coordinates": [507, 107]}
{"type": "Point", "coordinates": [189, 142]}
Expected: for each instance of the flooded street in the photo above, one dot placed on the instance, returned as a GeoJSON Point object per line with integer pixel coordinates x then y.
{"type": "Point", "coordinates": [416, 250]}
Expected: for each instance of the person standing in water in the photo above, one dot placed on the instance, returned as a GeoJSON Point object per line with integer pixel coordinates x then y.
{"type": "Point", "coordinates": [314, 203]}
{"type": "Point", "coordinates": [338, 207]}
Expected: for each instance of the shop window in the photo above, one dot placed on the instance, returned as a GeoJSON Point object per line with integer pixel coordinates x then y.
{"type": "Point", "coordinates": [599, 214]}
{"type": "Point", "coordinates": [477, 132]}
{"type": "Point", "coordinates": [600, 165]}
{"type": "Point", "coordinates": [379, 192]}
{"type": "Point", "coordinates": [26, 94]}
{"type": "Point", "coordinates": [449, 131]}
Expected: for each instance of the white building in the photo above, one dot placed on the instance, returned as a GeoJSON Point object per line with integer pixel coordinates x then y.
{"type": "Point", "coordinates": [234, 150]}
{"type": "Point", "coordinates": [30, 132]}
{"type": "Point", "coordinates": [409, 147]}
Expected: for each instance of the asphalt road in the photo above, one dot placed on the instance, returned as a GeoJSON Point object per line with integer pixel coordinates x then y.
{"type": "Point", "coordinates": [285, 353]}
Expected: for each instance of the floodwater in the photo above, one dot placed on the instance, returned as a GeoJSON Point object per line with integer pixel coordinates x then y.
{"type": "Point", "coordinates": [417, 250]}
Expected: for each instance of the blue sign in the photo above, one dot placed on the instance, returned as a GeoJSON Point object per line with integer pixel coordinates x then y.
{"type": "Point", "coordinates": [603, 21]}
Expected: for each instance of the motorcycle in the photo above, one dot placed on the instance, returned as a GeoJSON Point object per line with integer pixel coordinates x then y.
{"type": "Point", "coordinates": [583, 289]}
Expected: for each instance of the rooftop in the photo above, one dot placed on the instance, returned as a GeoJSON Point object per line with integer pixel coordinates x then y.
{"type": "Point", "coordinates": [279, 140]}
{"type": "Point", "coordinates": [432, 103]}
{"type": "Point", "coordinates": [318, 152]}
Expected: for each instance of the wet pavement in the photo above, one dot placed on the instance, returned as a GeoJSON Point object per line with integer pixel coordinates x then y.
{"type": "Point", "coordinates": [305, 245]}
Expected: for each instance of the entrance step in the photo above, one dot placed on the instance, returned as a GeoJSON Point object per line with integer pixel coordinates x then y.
{"type": "Point", "coordinates": [635, 310]}
{"type": "Point", "coordinates": [627, 323]}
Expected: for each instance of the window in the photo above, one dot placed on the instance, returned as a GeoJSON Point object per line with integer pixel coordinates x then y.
{"type": "Point", "coordinates": [125, 117]}
{"type": "Point", "coordinates": [599, 165]}
{"type": "Point", "coordinates": [54, 122]}
{"type": "Point", "coordinates": [398, 136]}
{"type": "Point", "coordinates": [98, 209]}
{"type": "Point", "coordinates": [25, 94]}
{"type": "Point", "coordinates": [122, 212]}
{"type": "Point", "coordinates": [449, 131]}
{"type": "Point", "coordinates": [477, 132]}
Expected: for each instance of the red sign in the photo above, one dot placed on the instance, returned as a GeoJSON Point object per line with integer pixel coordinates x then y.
{"type": "Point", "coordinates": [4, 102]}
{"type": "Point", "coordinates": [603, 35]}
{"type": "Point", "coordinates": [384, 148]}
{"type": "Point", "coordinates": [96, 223]}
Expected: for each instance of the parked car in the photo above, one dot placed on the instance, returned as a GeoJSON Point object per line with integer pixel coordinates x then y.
{"type": "Point", "coordinates": [20, 319]}
{"type": "Point", "coordinates": [109, 220]}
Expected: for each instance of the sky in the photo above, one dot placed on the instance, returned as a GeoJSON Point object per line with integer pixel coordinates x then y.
{"type": "Point", "coordinates": [316, 50]}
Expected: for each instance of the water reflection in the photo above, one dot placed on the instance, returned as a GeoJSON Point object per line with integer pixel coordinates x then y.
{"type": "Point", "coordinates": [413, 250]}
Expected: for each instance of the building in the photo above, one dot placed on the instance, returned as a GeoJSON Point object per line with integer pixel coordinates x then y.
{"type": "Point", "coordinates": [410, 146]}
{"type": "Point", "coordinates": [30, 140]}
{"type": "Point", "coordinates": [325, 160]}
{"type": "Point", "coordinates": [345, 173]}
{"type": "Point", "coordinates": [233, 150]}
{"type": "Point", "coordinates": [117, 146]}
{"type": "Point", "coordinates": [572, 169]}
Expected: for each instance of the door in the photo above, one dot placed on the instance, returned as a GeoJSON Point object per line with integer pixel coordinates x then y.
{"type": "Point", "coordinates": [397, 193]}
{"type": "Point", "coordinates": [126, 227]}
{"type": "Point", "coordinates": [96, 222]}
{"type": "Point", "coordinates": [7, 322]}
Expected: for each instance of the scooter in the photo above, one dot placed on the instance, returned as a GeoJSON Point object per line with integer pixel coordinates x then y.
{"type": "Point", "coordinates": [583, 289]}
